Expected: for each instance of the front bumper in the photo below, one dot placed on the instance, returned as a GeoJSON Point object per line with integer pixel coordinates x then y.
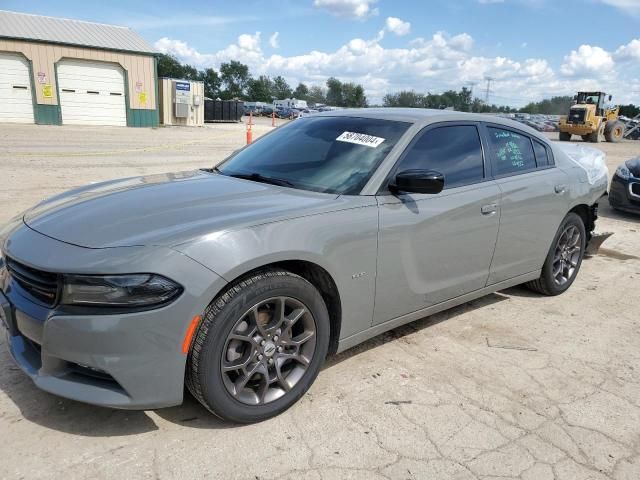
{"type": "Point", "coordinates": [576, 128]}
{"type": "Point", "coordinates": [125, 360]}
{"type": "Point", "coordinates": [625, 194]}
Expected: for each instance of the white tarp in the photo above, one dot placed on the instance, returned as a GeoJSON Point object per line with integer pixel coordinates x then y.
{"type": "Point", "coordinates": [590, 159]}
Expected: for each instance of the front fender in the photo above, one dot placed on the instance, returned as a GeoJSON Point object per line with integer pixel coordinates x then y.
{"type": "Point", "coordinates": [344, 243]}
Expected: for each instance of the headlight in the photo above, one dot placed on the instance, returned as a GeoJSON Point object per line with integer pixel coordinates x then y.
{"type": "Point", "coordinates": [139, 290]}
{"type": "Point", "coordinates": [623, 172]}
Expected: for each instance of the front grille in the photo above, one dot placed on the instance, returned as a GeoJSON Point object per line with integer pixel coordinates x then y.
{"type": "Point", "coordinates": [43, 286]}
{"type": "Point", "coordinates": [635, 189]}
{"type": "Point", "coordinates": [576, 115]}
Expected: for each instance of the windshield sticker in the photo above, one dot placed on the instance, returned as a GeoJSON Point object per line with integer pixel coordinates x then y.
{"type": "Point", "coordinates": [360, 139]}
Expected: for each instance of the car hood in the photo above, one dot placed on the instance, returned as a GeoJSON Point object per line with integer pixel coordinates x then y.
{"type": "Point", "coordinates": [167, 209]}
{"type": "Point", "coordinates": [634, 166]}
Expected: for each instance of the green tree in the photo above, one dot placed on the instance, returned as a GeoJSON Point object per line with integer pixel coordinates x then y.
{"type": "Point", "coordinates": [629, 110]}
{"type": "Point", "coordinates": [260, 89]}
{"type": "Point", "coordinates": [281, 88]}
{"type": "Point", "coordinates": [169, 66]}
{"type": "Point", "coordinates": [334, 92]}
{"type": "Point", "coordinates": [316, 95]}
{"type": "Point", "coordinates": [211, 81]}
{"type": "Point", "coordinates": [404, 98]}
{"type": "Point", "coordinates": [235, 79]}
{"type": "Point", "coordinates": [549, 106]}
{"type": "Point", "coordinates": [353, 95]}
{"type": "Point", "coordinates": [301, 92]}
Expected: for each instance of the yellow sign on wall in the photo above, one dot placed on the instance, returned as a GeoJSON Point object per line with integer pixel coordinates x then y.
{"type": "Point", "coordinates": [142, 98]}
{"type": "Point", "coordinates": [47, 91]}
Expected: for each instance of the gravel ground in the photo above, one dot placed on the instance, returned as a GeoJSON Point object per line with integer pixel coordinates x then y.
{"type": "Point", "coordinates": [513, 385]}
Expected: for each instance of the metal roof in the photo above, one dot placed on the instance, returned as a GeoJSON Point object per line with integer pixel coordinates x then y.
{"type": "Point", "coordinates": [24, 26]}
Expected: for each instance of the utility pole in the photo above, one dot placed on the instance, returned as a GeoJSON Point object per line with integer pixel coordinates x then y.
{"type": "Point", "coordinates": [471, 85]}
{"type": "Point", "coordinates": [486, 97]}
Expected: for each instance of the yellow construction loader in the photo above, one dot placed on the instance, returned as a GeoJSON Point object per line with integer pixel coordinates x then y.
{"type": "Point", "coordinates": [592, 118]}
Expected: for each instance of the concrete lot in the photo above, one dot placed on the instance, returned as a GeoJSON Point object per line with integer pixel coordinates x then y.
{"type": "Point", "coordinates": [514, 385]}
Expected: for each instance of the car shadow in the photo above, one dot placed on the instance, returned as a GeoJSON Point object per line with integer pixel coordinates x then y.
{"type": "Point", "coordinates": [607, 211]}
{"type": "Point", "coordinates": [77, 418]}
{"type": "Point", "coordinates": [419, 325]}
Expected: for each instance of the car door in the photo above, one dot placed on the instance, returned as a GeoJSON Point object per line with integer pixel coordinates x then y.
{"type": "Point", "coordinates": [432, 248]}
{"type": "Point", "coordinates": [533, 200]}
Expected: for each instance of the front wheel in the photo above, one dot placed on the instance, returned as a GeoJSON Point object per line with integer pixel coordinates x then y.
{"type": "Point", "coordinates": [565, 137]}
{"type": "Point", "coordinates": [564, 258]}
{"type": "Point", "coordinates": [259, 347]}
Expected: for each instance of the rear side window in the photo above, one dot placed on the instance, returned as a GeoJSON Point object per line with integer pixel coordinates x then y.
{"type": "Point", "coordinates": [542, 155]}
{"type": "Point", "coordinates": [454, 151]}
{"type": "Point", "coordinates": [513, 152]}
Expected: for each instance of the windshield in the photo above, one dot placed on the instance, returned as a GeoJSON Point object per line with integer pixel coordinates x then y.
{"type": "Point", "coordinates": [324, 154]}
{"type": "Point", "coordinates": [590, 98]}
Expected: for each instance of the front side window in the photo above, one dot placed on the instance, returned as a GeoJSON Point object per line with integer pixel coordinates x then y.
{"type": "Point", "coordinates": [323, 154]}
{"type": "Point", "coordinates": [513, 152]}
{"type": "Point", "coordinates": [454, 151]}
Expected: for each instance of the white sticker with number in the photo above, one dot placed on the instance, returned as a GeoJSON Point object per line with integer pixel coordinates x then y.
{"type": "Point", "coordinates": [360, 139]}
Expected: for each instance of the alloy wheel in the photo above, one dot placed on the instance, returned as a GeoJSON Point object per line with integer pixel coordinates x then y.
{"type": "Point", "coordinates": [268, 350]}
{"type": "Point", "coordinates": [567, 255]}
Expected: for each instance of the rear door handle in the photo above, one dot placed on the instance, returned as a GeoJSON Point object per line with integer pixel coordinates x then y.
{"type": "Point", "coordinates": [489, 209]}
{"type": "Point", "coordinates": [560, 188]}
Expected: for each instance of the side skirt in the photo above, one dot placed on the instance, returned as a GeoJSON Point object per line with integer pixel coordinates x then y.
{"type": "Point", "coordinates": [375, 330]}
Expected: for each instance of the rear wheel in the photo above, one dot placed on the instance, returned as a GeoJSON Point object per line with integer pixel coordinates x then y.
{"type": "Point", "coordinates": [564, 258]}
{"type": "Point", "coordinates": [259, 347]}
{"type": "Point", "coordinates": [565, 137]}
{"type": "Point", "coordinates": [614, 131]}
{"type": "Point", "coordinates": [586, 138]}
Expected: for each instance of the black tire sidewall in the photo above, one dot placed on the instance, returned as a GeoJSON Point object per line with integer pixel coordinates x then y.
{"type": "Point", "coordinates": [214, 392]}
{"type": "Point", "coordinates": [547, 269]}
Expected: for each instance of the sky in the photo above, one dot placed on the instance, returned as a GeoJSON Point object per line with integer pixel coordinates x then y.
{"type": "Point", "coordinates": [531, 49]}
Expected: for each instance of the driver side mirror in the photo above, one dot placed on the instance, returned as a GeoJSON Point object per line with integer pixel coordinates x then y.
{"type": "Point", "coordinates": [418, 181]}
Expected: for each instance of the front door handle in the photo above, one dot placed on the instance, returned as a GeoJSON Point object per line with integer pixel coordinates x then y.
{"type": "Point", "coordinates": [560, 189]}
{"type": "Point", "coordinates": [489, 209]}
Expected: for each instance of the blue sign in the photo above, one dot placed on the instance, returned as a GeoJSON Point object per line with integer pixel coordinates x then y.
{"type": "Point", "coordinates": [184, 86]}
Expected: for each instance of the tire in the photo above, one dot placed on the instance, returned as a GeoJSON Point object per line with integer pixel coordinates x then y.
{"type": "Point", "coordinates": [614, 131]}
{"type": "Point", "coordinates": [594, 137]}
{"type": "Point", "coordinates": [586, 138]}
{"type": "Point", "coordinates": [548, 284]}
{"type": "Point", "coordinates": [565, 137]}
{"type": "Point", "coordinates": [232, 311]}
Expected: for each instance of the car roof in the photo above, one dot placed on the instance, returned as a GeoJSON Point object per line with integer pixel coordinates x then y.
{"type": "Point", "coordinates": [425, 116]}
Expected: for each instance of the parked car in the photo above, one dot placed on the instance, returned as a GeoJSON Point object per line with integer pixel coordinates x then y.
{"type": "Point", "coordinates": [624, 193]}
{"type": "Point", "coordinates": [240, 280]}
{"type": "Point", "coordinates": [267, 111]}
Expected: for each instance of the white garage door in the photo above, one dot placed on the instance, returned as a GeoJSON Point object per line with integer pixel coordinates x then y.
{"type": "Point", "coordinates": [91, 93]}
{"type": "Point", "coordinates": [16, 104]}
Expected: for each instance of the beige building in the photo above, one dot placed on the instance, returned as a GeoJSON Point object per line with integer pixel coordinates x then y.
{"type": "Point", "coordinates": [181, 102]}
{"type": "Point", "coordinates": [60, 71]}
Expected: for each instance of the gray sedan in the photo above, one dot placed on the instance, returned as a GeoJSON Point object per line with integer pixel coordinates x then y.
{"type": "Point", "coordinates": [238, 281]}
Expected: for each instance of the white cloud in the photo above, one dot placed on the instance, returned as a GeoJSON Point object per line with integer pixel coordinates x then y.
{"type": "Point", "coordinates": [432, 64]}
{"type": "Point", "coordinates": [628, 52]}
{"type": "Point", "coordinates": [358, 9]}
{"type": "Point", "coordinates": [397, 26]}
{"type": "Point", "coordinates": [273, 40]}
{"type": "Point", "coordinates": [588, 60]}
{"type": "Point", "coordinates": [629, 6]}
{"type": "Point", "coordinates": [148, 22]}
